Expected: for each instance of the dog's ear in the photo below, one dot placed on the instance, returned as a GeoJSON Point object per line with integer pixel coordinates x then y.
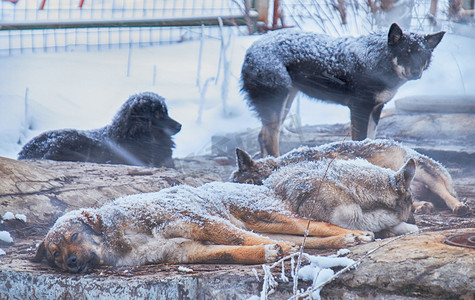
{"type": "Point", "coordinates": [40, 253]}
{"type": "Point", "coordinates": [432, 40]}
{"type": "Point", "coordinates": [92, 220]}
{"type": "Point", "coordinates": [244, 160]}
{"type": "Point", "coordinates": [405, 175]}
{"type": "Point", "coordinates": [394, 35]}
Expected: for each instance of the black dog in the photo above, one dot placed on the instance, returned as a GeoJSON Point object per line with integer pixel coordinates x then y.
{"type": "Point", "coordinates": [362, 73]}
{"type": "Point", "coordinates": [140, 134]}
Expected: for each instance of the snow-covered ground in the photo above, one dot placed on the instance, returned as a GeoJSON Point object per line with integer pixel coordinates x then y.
{"type": "Point", "coordinates": [80, 89]}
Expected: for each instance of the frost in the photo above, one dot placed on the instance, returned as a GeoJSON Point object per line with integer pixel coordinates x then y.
{"type": "Point", "coordinates": [185, 269]}
{"type": "Point", "coordinates": [328, 262]}
{"type": "Point", "coordinates": [8, 216]}
{"type": "Point", "coordinates": [318, 271]}
{"type": "Point", "coordinates": [5, 236]}
{"type": "Point", "coordinates": [343, 252]}
{"type": "Point", "coordinates": [212, 202]}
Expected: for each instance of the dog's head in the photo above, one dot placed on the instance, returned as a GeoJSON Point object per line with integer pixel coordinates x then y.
{"type": "Point", "coordinates": [145, 114]}
{"type": "Point", "coordinates": [251, 171]}
{"type": "Point", "coordinates": [412, 52]}
{"type": "Point", "coordinates": [74, 243]}
{"type": "Point", "coordinates": [404, 198]}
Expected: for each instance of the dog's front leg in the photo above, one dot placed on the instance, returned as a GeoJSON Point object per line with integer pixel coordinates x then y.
{"type": "Point", "coordinates": [195, 252]}
{"type": "Point", "coordinates": [364, 120]}
{"type": "Point", "coordinates": [403, 228]}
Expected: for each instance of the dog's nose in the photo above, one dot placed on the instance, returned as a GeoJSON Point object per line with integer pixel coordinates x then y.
{"type": "Point", "coordinates": [178, 127]}
{"type": "Point", "coordinates": [416, 74]}
{"type": "Point", "coordinates": [72, 262]}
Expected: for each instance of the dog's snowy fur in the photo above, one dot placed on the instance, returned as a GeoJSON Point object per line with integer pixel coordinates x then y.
{"type": "Point", "coordinates": [431, 181]}
{"type": "Point", "coordinates": [214, 223]}
{"type": "Point", "coordinates": [362, 73]}
{"type": "Point", "coordinates": [140, 134]}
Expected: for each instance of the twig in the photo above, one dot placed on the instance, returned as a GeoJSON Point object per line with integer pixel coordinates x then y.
{"type": "Point", "coordinates": [299, 260]}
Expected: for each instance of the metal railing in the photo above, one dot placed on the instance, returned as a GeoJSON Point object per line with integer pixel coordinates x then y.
{"type": "Point", "coordinates": [62, 24]}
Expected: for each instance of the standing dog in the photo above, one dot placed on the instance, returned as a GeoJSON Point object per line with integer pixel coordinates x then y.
{"type": "Point", "coordinates": [209, 224]}
{"type": "Point", "coordinates": [140, 134]}
{"type": "Point", "coordinates": [362, 73]}
{"type": "Point", "coordinates": [430, 176]}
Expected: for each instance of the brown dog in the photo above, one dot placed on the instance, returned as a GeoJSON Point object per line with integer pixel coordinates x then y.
{"type": "Point", "coordinates": [182, 224]}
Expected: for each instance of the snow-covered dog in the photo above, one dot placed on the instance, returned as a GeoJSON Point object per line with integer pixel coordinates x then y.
{"type": "Point", "coordinates": [362, 73]}
{"type": "Point", "coordinates": [214, 223]}
{"type": "Point", "coordinates": [431, 178]}
{"type": "Point", "coordinates": [140, 134]}
{"type": "Point", "coordinates": [353, 194]}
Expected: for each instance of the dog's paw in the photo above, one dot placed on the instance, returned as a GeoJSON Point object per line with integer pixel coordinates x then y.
{"type": "Point", "coordinates": [289, 248]}
{"type": "Point", "coordinates": [403, 228]}
{"type": "Point", "coordinates": [365, 236]}
{"type": "Point", "coordinates": [273, 252]}
{"type": "Point", "coordinates": [461, 209]}
{"type": "Point", "coordinates": [350, 239]}
{"type": "Point", "coordinates": [423, 207]}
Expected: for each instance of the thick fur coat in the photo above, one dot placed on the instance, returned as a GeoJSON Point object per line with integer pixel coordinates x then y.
{"type": "Point", "coordinates": [214, 223]}
{"type": "Point", "coordinates": [432, 180]}
{"type": "Point", "coordinates": [140, 134]}
{"type": "Point", "coordinates": [362, 73]}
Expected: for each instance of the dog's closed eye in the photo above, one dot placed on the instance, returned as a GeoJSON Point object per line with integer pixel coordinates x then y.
{"type": "Point", "coordinates": [74, 237]}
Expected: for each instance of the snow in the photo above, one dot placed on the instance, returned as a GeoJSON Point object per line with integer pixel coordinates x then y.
{"type": "Point", "coordinates": [184, 269]}
{"type": "Point", "coordinates": [319, 270]}
{"type": "Point", "coordinates": [8, 216]}
{"type": "Point", "coordinates": [5, 236]}
{"type": "Point", "coordinates": [84, 90]}
{"type": "Point", "coordinates": [2, 252]}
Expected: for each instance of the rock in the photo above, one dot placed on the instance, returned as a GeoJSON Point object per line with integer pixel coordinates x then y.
{"type": "Point", "coordinates": [418, 265]}
{"type": "Point", "coordinates": [45, 190]}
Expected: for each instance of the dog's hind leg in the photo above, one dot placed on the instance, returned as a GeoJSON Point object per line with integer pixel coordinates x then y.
{"type": "Point", "coordinates": [440, 185]}
{"type": "Point", "coordinates": [222, 233]}
{"type": "Point", "coordinates": [272, 119]}
{"type": "Point", "coordinates": [330, 242]}
{"type": "Point", "coordinates": [282, 224]}
{"type": "Point", "coordinates": [269, 136]}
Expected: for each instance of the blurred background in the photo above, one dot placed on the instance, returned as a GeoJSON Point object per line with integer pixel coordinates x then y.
{"type": "Point", "coordinates": [72, 63]}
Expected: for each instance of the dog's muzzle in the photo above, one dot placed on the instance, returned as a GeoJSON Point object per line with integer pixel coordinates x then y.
{"type": "Point", "coordinates": [75, 265]}
{"type": "Point", "coordinates": [414, 74]}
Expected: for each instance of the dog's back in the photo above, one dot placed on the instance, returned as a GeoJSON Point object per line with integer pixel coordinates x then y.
{"type": "Point", "coordinates": [331, 69]}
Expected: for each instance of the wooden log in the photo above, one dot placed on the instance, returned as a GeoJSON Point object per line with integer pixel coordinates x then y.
{"type": "Point", "coordinates": [437, 104]}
